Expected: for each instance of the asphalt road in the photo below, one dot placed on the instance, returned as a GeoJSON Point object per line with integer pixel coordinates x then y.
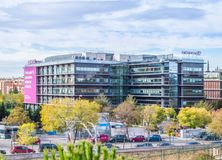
{"type": "Point", "coordinates": [62, 140]}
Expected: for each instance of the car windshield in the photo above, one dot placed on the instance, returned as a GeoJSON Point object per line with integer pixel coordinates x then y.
{"type": "Point", "coordinates": [24, 148]}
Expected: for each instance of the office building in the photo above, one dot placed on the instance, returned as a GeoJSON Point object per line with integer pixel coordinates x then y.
{"type": "Point", "coordinates": [163, 80]}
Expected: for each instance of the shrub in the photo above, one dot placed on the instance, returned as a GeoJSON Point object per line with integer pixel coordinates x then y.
{"type": "Point", "coordinates": [2, 157]}
{"type": "Point", "coordinates": [84, 151]}
{"type": "Point", "coordinates": [202, 156]}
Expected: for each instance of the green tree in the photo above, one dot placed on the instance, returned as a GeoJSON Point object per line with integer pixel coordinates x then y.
{"type": "Point", "coordinates": [25, 133]}
{"type": "Point", "coordinates": [34, 114]}
{"type": "Point", "coordinates": [217, 104]}
{"type": "Point", "coordinates": [3, 111]}
{"type": "Point", "coordinates": [194, 117]}
{"type": "Point", "coordinates": [203, 104]}
{"type": "Point", "coordinates": [103, 101]}
{"type": "Point", "coordinates": [216, 125]}
{"type": "Point", "coordinates": [69, 115]}
{"type": "Point", "coordinates": [152, 116]}
{"type": "Point", "coordinates": [12, 100]}
{"type": "Point", "coordinates": [17, 117]}
{"type": "Point", "coordinates": [127, 113]}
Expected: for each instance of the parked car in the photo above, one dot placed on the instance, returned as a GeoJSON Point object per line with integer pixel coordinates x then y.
{"type": "Point", "coordinates": [217, 142]}
{"type": "Point", "coordinates": [165, 144]}
{"type": "Point", "coordinates": [210, 137]}
{"type": "Point", "coordinates": [155, 138]}
{"type": "Point", "coordinates": [144, 145]}
{"type": "Point", "coordinates": [103, 138]}
{"type": "Point", "coordinates": [2, 152]}
{"type": "Point", "coordinates": [139, 138]}
{"type": "Point", "coordinates": [193, 143]}
{"type": "Point", "coordinates": [118, 138]}
{"type": "Point", "coordinates": [48, 146]}
{"type": "Point", "coordinates": [110, 146]}
{"type": "Point", "coordinates": [21, 149]}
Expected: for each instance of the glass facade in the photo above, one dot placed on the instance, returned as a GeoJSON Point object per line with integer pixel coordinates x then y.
{"type": "Point", "coordinates": [169, 83]}
{"type": "Point", "coordinates": [166, 82]}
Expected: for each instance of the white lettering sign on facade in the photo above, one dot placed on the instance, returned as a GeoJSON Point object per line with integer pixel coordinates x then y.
{"type": "Point", "coordinates": [197, 53]}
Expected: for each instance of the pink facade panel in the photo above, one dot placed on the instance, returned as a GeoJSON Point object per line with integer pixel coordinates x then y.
{"type": "Point", "coordinates": [30, 85]}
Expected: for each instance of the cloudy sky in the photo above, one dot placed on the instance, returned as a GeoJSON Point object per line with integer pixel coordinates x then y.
{"type": "Point", "coordinates": [35, 29]}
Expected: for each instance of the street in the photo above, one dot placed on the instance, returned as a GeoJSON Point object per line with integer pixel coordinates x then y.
{"type": "Point", "coordinates": [5, 144]}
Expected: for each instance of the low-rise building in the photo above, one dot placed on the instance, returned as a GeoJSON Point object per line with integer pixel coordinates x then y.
{"type": "Point", "coordinates": [213, 85]}
{"type": "Point", "coordinates": [8, 85]}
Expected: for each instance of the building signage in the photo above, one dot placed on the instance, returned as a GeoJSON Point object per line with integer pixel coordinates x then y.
{"type": "Point", "coordinates": [197, 53]}
{"type": "Point", "coordinates": [30, 85]}
{"type": "Point", "coordinates": [33, 61]}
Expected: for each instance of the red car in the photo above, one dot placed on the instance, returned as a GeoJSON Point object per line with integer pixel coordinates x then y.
{"type": "Point", "coordinates": [138, 138]}
{"type": "Point", "coordinates": [103, 138]}
{"type": "Point", "coordinates": [21, 149]}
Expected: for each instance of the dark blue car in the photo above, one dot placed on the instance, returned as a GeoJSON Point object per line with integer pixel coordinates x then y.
{"type": "Point", "coordinates": [193, 143]}
{"type": "Point", "coordinates": [155, 138]}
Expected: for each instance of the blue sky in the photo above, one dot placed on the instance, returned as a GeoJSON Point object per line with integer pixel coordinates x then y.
{"type": "Point", "coordinates": [35, 29]}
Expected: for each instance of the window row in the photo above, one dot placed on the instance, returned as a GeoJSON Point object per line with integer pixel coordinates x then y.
{"type": "Point", "coordinates": [56, 80]}
{"type": "Point", "coordinates": [193, 92]}
{"type": "Point", "coordinates": [92, 80]}
{"type": "Point", "coordinates": [192, 80]}
{"type": "Point", "coordinates": [57, 90]}
{"type": "Point", "coordinates": [85, 91]}
{"type": "Point", "coordinates": [57, 69]}
{"type": "Point", "coordinates": [147, 80]}
{"type": "Point", "coordinates": [150, 92]}
{"type": "Point", "coordinates": [147, 70]}
{"type": "Point", "coordinates": [92, 69]}
{"type": "Point", "coordinates": [192, 69]}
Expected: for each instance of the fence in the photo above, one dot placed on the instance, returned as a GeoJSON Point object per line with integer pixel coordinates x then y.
{"type": "Point", "coordinates": [174, 153]}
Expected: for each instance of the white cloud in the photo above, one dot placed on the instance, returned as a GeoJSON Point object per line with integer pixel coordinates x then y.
{"type": "Point", "coordinates": [39, 28]}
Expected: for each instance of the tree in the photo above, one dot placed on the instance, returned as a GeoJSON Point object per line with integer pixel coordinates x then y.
{"type": "Point", "coordinates": [170, 128]}
{"type": "Point", "coordinates": [103, 101]}
{"type": "Point", "coordinates": [170, 113]}
{"type": "Point", "coordinates": [3, 111]}
{"type": "Point", "coordinates": [12, 100]}
{"type": "Point", "coordinates": [216, 125]}
{"type": "Point", "coordinates": [194, 117]}
{"type": "Point", "coordinates": [217, 104]}
{"type": "Point", "coordinates": [203, 104]}
{"type": "Point", "coordinates": [153, 115]}
{"type": "Point", "coordinates": [127, 113]}
{"type": "Point", "coordinates": [34, 114]}
{"type": "Point", "coordinates": [17, 117]}
{"type": "Point", "coordinates": [69, 115]}
{"type": "Point", "coordinates": [25, 132]}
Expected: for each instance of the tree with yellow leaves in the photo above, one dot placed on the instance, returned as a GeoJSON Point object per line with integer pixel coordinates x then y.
{"type": "Point", "coordinates": [194, 117]}
{"type": "Point", "coordinates": [25, 132]}
{"type": "Point", "coordinates": [170, 113]}
{"type": "Point", "coordinates": [17, 117]}
{"type": "Point", "coordinates": [152, 116]}
{"type": "Point", "coordinates": [69, 115]}
{"type": "Point", "coordinates": [216, 125]}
